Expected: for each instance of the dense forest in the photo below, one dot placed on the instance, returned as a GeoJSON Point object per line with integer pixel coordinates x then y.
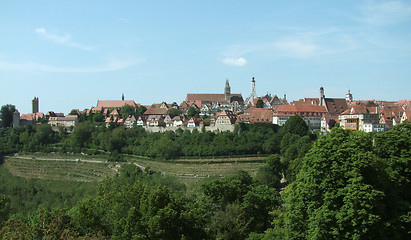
{"type": "Point", "coordinates": [344, 185]}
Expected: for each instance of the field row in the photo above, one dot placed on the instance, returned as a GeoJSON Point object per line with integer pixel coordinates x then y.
{"type": "Point", "coordinates": [58, 170]}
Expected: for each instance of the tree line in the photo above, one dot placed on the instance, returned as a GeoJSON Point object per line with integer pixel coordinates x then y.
{"type": "Point", "coordinates": [350, 185]}
{"type": "Point", "coordinates": [345, 185]}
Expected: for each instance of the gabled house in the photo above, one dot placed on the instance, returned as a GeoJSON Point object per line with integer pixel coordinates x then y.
{"type": "Point", "coordinates": [205, 110]}
{"type": "Point", "coordinates": [31, 118]}
{"type": "Point", "coordinates": [177, 121]}
{"type": "Point", "coordinates": [195, 122]}
{"type": "Point", "coordinates": [312, 114]}
{"type": "Point", "coordinates": [155, 120]}
{"type": "Point", "coordinates": [130, 121]}
{"type": "Point", "coordinates": [406, 116]}
{"type": "Point", "coordinates": [225, 118]}
{"type": "Point", "coordinates": [256, 115]}
{"type": "Point", "coordinates": [67, 121]}
{"type": "Point", "coordinates": [359, 117]}
{"type": "Point", "coordinates": [141, 121]}
{"type": "Point", "coordinates": [276, 101]}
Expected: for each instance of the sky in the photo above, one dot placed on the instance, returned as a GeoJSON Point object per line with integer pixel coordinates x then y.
{"type": "Point", "coordinates": [70, 54]}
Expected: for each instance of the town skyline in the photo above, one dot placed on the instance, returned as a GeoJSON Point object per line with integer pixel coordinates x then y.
{"type": "Point", "coordinates": [73, 54]}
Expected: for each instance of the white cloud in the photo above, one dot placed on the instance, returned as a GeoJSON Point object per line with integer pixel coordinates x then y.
{"type": "Point", "coordinates": [386, 12]}
{"type": "Point", "coordinates": [235, 61]}
{"type": "Point", "coordinates": [64, 40]}
{"type": "Point", "coordinates": [110, 65]}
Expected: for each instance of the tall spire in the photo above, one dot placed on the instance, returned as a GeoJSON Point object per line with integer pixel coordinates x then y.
{"type": "Point", "coordinates": [252, 95]}
{"type": "Point", "coordinates": [322, 97]}
{"type": "Point", "coordinates": [227, 91]}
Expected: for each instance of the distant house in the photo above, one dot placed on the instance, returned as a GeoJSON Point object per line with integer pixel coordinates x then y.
{"type": "Point", "coordinates": [141, 121]}
{"type": "Point", "coordinates": [178, 121]}
{"type": "Point", "coordinates": [155, 120]}
{"type": "Point", "coordinates": [31, 118]}
{"type": "Point", "coordinates": [225, 118]}
{"type": "Point", "coordinates": [406, 116]}
{"type": "Point", "coordinates": [276, 101]}
{"type": "Point", "coordinates": [67, 121]}
{"type": "Point", "coordinates": [360, 117]}
{"type": "Point", "coordinates": [195, 122]}
{"type": "Point", "coordinates": [130, 121]}
{"type": "Point", "coordinates": [312, 114]}
{"type": "Point", "coordinates": [255, 115]}
{"type": "Point", "coordinates": [224, 101]}
{"type": "Point", "coordinates": [104, 106]}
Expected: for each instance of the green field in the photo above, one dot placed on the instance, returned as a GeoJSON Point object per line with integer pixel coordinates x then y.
{"type": "Point", "coordinates": [203, 168]}
{"type": "Point", "coordinates": [66, 168]}
{"type": "Point", "coordinates": [59, 169]}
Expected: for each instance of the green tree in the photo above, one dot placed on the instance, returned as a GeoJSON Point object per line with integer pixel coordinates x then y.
{"type": "Point", "coordinates": [192, 112]}
{"type": "Point", "coordinates": [81, 135]}
{"type": "Point", "coordinates": [97, 117]}
{"type": "Point", "coordinates": [173, 112]}
{"type": "Point", "coordinates": [4, 209]}
{"type": "Point", "coordinates": [335, 194]}
{"type": "Point", "coordinates": [73, 112]}
{"type": "Point", "coordinates": [140, 110]}
{"type": "Point", "coordinates": [6, 115]}
{"type": "Point", "coordinates": [44, 134]}
{"type": "Point", "coordinates": [127, 110]}
{"type": "Point", "coordinates": [231, 223]}
{"type": "Point", "coordinates": [394, 150]}
{"type": "Point", "coordinates": [295, 125]}
{"type": "Point", "coordinates": [258, 203]}
{"type": "Point", "coordinates": [260, 103]}
{"type": "Point", "coordinates": [270, 173]}
{"type": "Point", "coordinates": [229, 189]}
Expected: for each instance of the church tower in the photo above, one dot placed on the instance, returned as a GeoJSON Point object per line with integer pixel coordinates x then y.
{"type": "Point", "coordinates": [252, 95]}
{"type": "Point", "coordinates": [348, 97]}
{"type": "Point", "coordinates": [322, 97]}
{"type": "Point", "coordinates": [227, 91]}
{"type": "Point", "coordinates": [35, 105]}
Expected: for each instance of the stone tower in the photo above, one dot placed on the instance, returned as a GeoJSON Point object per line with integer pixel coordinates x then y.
{"type": "Point", "coordinates": [322, 97]}
{"type": "Point", "coordinates": [35, 105]}
{"type": "Point", "coordinates": [227, 91]}
{"type": "Point", "coordinates": [16, 118]}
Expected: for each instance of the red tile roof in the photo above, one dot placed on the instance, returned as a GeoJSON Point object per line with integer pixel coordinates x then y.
{"type": "Point", "coordinates": [306, 101]}
{"type": "Point", "coordinates": [210, 97]}
{"type": "Point", "coordinates": [301, 108]}
{"type": "Point", "coordinates": [115, 103]}
{"type": "Point", "coordinates": [257, 115]}
{"type": "Point", "coordinates": [335, 106]}
{"type": "Point", "coordinates": [359, 109]}
{"type": "Point", "coordinates": [156, 111]}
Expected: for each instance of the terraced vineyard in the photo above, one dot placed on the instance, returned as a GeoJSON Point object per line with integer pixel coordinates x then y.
{"type": "Point", "coordinates": [53, 169]}
{"type": "Point", "coordinates": [204, 168]}
{"type": "Point", "coordinates": [67, 168]}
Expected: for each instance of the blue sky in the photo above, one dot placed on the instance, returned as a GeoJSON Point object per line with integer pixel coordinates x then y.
{"type": "Point", "coordinates": [72, 53]}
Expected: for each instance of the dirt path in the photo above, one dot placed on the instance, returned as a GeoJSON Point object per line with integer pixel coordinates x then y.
{"type": "Point", "coordinates": [63, 160]}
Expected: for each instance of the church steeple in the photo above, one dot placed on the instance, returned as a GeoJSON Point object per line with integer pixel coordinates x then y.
{"type": "Point", "coordinates": [253, 94]}
{"type": "Point", "coordinates": [322, 97]}
{"type": "Point", "coordinates": [227, 91]}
